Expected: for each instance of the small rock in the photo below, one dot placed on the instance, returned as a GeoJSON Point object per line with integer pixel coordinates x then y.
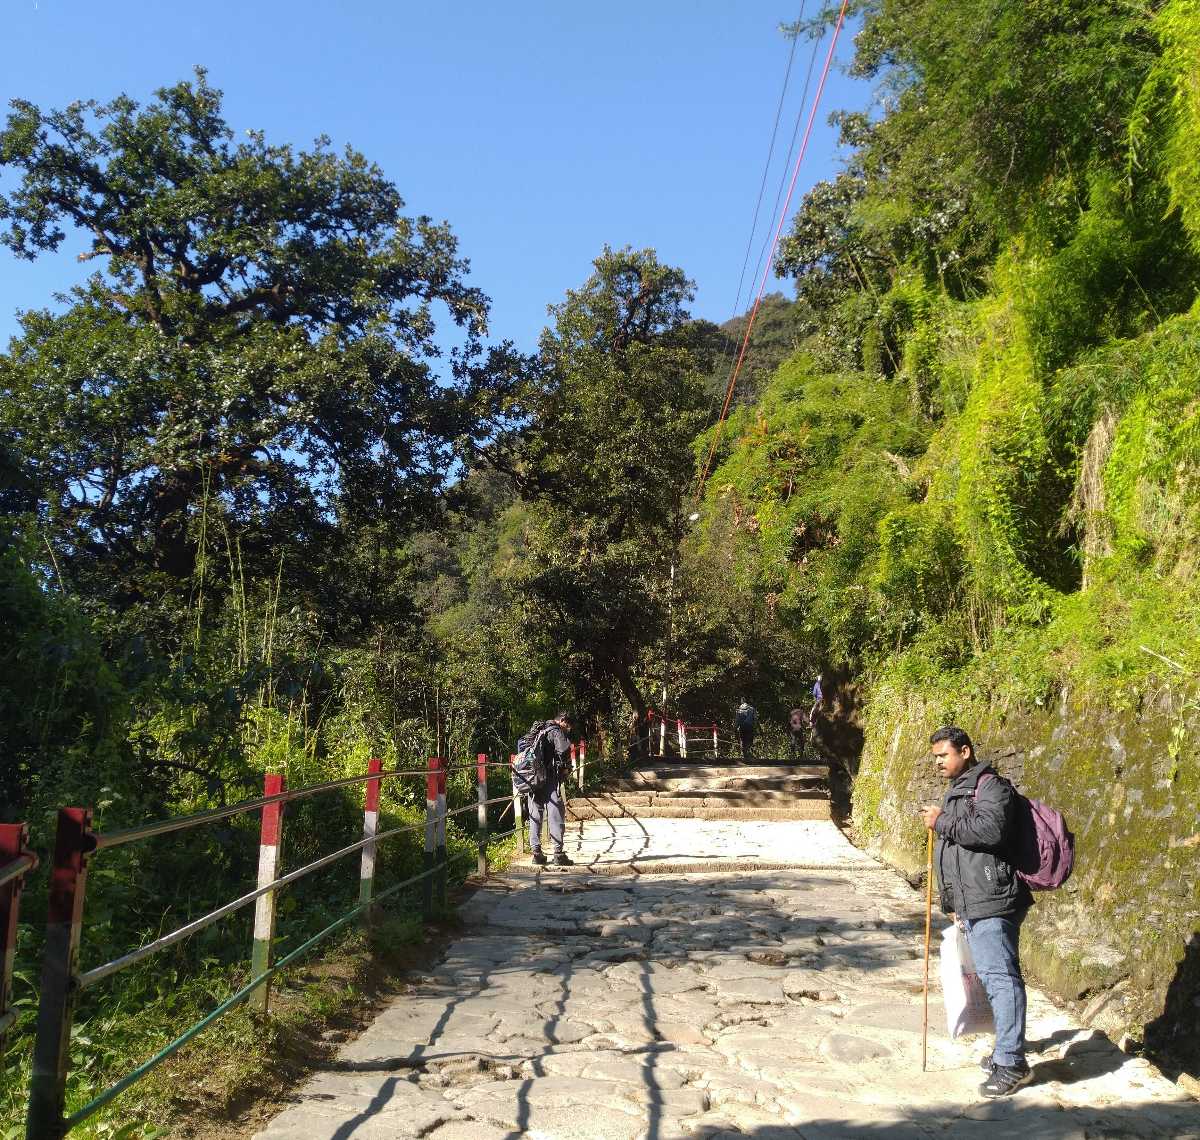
{"type": "Point", "coordinates": [768, 957]}
{"type": "Point", "coordinates": [1189, 1084]}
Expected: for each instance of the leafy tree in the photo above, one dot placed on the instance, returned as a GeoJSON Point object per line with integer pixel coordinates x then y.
{"type": "Point", "coordinates": [606, 460]}
{"type": "Point", "coordinates": [253, 365]}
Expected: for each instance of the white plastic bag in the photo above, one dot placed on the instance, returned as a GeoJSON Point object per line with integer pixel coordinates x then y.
{"type": "Point", "coordinates": [967, 1007]}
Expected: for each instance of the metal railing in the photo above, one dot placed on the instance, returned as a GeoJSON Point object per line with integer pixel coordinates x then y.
{"type": "Point", "coordinates": [704, 739]}
{"type": "Point", "coordinates": [76, 843]}
{"type": "Point", "coordinates": [16, 861]}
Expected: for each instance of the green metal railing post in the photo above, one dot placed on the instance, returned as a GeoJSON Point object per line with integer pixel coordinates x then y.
{"type": "Point", "coordinates": [482, 823]}
{"type": "Point", "coordinates": [518, 807]}
{"type": "Point", "coordinates": [441, 836]}
{"type": "Point", "coordinates": [73, 842]}
{"type": "Point", "coordinates": [431, 793]}
{"type": "Point", "coordinates": [14, 840]}
{"type": "Point", "coordinates": [270, 844]}
{"type": "Point", "coordinates": [366, 876]}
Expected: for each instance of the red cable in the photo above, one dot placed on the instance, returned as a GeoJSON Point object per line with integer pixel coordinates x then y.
{"type": "Point", "coordinates": [737, 368]}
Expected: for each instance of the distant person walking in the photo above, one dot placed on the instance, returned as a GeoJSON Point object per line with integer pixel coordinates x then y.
{"type": "Point", "coordinates": [818, 695]}
{"type": "Point", "coordinates": [981, 891]}
{"type": "Point", "coordinates": [745, 721]}
{"type": "Point", "coordinates": [554, 746]}
{"type": "Point", "coordinates": [798, 727]}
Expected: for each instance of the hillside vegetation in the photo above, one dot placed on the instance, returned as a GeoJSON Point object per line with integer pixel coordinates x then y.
{"type": "Point", "coordinates": [974, 488]}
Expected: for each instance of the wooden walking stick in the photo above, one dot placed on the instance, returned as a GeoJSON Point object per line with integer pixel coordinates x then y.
{"type": "Point", "coordinates": [928, 917]}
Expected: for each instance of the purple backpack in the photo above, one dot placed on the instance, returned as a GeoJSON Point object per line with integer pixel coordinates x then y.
{"type": "Point", "coordinates": [1043, 851]}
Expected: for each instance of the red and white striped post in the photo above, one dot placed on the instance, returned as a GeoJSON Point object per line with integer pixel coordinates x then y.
{"type": "Point", "coordinates": [269, 847]}
{"type": "Point", "coordinates": [481, 832]}
{"type": "Point", "coordinates": [716, 749]}
{"type": "Point", "coordinates": [431, 790]}
{"type": "Point", "coordinates": [682, 740]}
{"type": "Point", "coordinates": [73, 842]}
{"type": "Point", "coordinates": [441, 834]}
{"type": "Point", "coordinates": [582, 763]}
{"type": "Point", "coordinates": [14, 840]}
{"type": "Point", "coordinates": [574, 764]}
{"type": "Point", "coordinates": [518, 807]}
{"type": "Point", "coordinates": [662, 737]}
{"type": "Point", "coordinates": [366, 874]}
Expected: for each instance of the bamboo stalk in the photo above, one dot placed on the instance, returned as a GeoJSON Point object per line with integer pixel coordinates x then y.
{"type": "Point", "coordinates": [928, 919]}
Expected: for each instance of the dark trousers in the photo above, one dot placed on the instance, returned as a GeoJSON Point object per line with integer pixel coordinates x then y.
{"type": "Point", "coordinates": [549, 803]}
{"type": "Point", "coordinates": [797, 742]}
{"type": "Point", "coordinates": [746, 739]}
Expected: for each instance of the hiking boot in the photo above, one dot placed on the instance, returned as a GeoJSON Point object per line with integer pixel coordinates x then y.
{"type": "Point", "coordinates": [538, 859]}
{"type": "Point", "coordinates": [987, 1063]}
{"type": "Point", "coordinates": [1005, 1080]}
{"type": "Point", "coordinates": [562, 859]}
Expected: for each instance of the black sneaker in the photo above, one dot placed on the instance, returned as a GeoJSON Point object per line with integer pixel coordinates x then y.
{"type": "Point", "coordinates": [1005, 1080]}
{"type": "Point", "coordinates": [538, 859]}
{"type": "Point", "coordinates": [562, 859]}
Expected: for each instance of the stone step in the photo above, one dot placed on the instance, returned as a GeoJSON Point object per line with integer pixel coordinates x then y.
{"type": "Point", "coordinates": [715, 797]}
{"type": "Point", "coordinates": [582, 808]}
{"type": "Point", "coordinates": [724, 771]}
{"type": "Point", "coordinates": [686, 785]}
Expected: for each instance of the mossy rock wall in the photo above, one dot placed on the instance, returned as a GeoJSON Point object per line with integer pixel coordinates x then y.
{"type": "Point", "coordinates": [1122, 938]}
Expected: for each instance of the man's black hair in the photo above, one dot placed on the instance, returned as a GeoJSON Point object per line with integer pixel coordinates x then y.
{"type": "Point", "coordinates": [957, 738]}
{"type": "Point", "coordinates": [564, 715]}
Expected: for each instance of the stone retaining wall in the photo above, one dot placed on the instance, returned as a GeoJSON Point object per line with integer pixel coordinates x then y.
{"type": "Point", "coordinates": [1122, 938]}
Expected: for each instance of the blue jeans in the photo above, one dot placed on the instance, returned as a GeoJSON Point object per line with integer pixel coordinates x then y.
{"type": "Point", "coordinates": [995, 946]}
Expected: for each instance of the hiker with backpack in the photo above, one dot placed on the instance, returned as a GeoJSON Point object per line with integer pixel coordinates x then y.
{"type": "Point", "coordinates": [745, 721]}
{"type": "Point", "coordinates": [976, 833]}
{"type": "Point", "coordinates": [543, 759]}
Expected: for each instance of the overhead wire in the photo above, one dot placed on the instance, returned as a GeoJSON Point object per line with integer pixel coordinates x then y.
{"type": "Point", "coordinates": [762, 186]}
{"type": "Point", "coordinates": [783, 180]}
{"type": "Point", "coordinates": [783, 175]}
{"type": "Point", "coordinates": [774, 245]}
{"type": "Point", "coordinates": [787, 74]}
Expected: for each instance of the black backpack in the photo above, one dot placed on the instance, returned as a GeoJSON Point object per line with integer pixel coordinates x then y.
{"type": "Point", "coordinates": [531, 768]}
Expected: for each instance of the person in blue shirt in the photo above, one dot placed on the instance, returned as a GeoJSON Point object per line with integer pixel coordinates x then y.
{"type": "Point", "coordinates": [818, 694]}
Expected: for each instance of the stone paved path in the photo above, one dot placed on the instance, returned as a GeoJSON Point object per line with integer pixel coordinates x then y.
{"type": "Point", "coordinates": [768, 1003]}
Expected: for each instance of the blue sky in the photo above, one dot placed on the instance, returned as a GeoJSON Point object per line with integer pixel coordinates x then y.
{"type": "Point", "coordinates": [540, 130]}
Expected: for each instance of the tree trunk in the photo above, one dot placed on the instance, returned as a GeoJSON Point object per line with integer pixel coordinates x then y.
{"type": "Point", "coordinates": [638, 738]}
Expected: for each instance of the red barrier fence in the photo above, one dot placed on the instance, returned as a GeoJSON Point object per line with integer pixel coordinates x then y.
{"type": "Point", "coordinates": [76, 844]}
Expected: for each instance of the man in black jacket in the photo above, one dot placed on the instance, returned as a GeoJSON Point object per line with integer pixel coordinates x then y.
{"type": "Point", "coordinates": [981, 890]}
{"type": "Point", "coordinates": [548, 800]}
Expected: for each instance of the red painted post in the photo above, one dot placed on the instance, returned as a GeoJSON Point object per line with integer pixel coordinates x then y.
{"type": "Point", "coordinates": [716, 750]}
{"type": "Point", "coordinates": [366, 874]}
{"type": "Point", "coordinates": [270, 845]}
{"type": "Point", "coordinates": [441, 834]}
{"type": "Point", "coordinates": [14, 840]}
{"type": "Point", "coordinates": [73, 842]}
{"type": "Point", "coordinates": [518, 807]}
{"type": "Point", "coordinates": [431, 794]}
{"type": "Point", "coordinates": [574, 764]}
{"type": "Point", "coordinates": [682, 739]}
{"type": "Point", "coordinates": [481, 832]}
{"type": "Point", "coordinates": [582, 763]}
